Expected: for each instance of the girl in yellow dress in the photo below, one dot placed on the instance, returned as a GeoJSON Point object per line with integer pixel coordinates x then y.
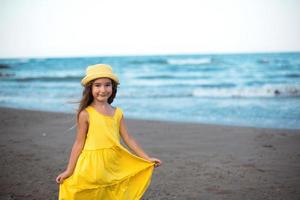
{"type": "Point", "coordinates": [99, 166]}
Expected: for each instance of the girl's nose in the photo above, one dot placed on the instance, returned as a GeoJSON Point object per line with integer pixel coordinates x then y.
{"type": "Point", "coordinates": [102, 89]}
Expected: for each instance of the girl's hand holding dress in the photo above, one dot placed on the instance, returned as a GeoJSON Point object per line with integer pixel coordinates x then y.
{"type": "Point", "coordinates": [61, 177]}
{"type": "Point", "coordinates": [156, 161]}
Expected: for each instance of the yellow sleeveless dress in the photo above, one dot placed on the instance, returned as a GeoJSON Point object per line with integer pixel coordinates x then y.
{"type": "Point", "coordinates": [105, 170]}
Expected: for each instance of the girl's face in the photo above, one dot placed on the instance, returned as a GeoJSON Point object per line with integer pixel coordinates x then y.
{"type": "Point", "coordinates": [102, 89]}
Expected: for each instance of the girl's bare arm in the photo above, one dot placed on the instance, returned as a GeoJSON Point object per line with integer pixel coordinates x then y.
{"type": "Point", "coordinates": [132, 144]}
{"type": "Point", "coordinates": [130, 141]}
{"type": "Point", "coordinates": [82, 128]}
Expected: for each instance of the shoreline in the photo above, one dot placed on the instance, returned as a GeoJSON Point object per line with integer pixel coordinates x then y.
{"type": "Point", "coordinates": [168, 121]}
{"type": "Point", "coordinates": [200, 161]}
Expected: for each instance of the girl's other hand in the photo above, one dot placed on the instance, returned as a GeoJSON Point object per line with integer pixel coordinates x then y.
{"type": "Point", "coordinates": [60, 178]}
{"type": "Point", "coordinates": [156, 161]}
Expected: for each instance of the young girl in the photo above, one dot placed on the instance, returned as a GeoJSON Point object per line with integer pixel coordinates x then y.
{"type": "Point", "coordinates": [99, 166]}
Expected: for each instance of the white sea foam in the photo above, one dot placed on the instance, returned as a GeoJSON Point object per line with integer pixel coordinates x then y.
{"type": "Point", "coordinates": [264, 91]}
{"type": "Point", "coordinates": [189, 61]}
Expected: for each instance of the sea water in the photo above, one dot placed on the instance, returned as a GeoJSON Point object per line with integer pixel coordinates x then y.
{"type": "Point", "coordinates": [257, 90]}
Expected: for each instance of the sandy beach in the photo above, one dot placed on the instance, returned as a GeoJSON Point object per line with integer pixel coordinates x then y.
{"type": "Point", "coordinates": [199, 161]}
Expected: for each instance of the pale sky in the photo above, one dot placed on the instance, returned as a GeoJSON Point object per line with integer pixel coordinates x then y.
{"type": "Point", "coordinates": [58, 28]}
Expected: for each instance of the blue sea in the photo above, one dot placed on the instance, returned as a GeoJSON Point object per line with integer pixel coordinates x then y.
{"type": "Point", "coordinates": [257, 90]}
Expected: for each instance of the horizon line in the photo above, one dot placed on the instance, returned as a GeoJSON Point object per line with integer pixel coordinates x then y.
{"type": "Point", "coordinates": [148, 54]}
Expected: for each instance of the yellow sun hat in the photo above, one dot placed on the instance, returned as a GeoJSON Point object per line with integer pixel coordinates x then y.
{"type": "Point", "coordinates": [99, 71]}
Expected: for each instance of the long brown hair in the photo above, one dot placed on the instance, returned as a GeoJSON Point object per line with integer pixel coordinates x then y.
{"type": "Point", "coordinates": [87, 96]}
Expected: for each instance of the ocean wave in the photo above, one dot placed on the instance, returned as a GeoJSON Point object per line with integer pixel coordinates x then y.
{"type": "Point", "coordinates": [292, 75]}
{"type": "Point", "coordinates": [174, 61]}
{"type": "Point", "coordinates": [173, 83]}
{"type": "Point", "coordinates": [265, 91]}
{"type": "Point", "coordinates": [189, 61]}
{"type": "Point", "coordinates": [214, 92]}
{"type": "Point", "coordinates": [272, 61]}
{"type": "Point", "coordinates": [153, 95]}
{"type": "Point", "coordinates": [4, 66]}
{"type": "Point", "coordinates": [46, 78]}
{"type": "Point", "coordinates": [148, 61]}
{"type": "Point", "coordinates": [158, 77]}
{"type": "Point", "coordinates": [168, 76]}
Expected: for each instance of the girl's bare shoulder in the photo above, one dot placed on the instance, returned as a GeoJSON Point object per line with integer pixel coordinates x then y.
{"type": "Point", "coordinates": [83, 115]}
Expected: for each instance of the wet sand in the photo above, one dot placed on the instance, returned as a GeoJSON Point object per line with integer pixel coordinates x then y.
{"type": "Point", "coordinates": [200, 161]}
